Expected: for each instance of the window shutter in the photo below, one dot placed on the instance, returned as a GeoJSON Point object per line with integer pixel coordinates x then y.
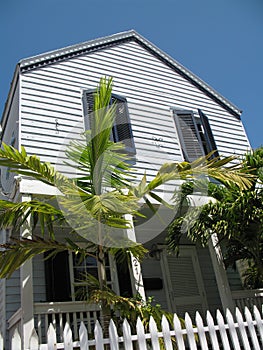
{"type": "Point", "coordinates": [122, 130]}
{"type": "Point", "coordinates": [209, 138]}
{"type": "Point", "coordinates": [188, 135]}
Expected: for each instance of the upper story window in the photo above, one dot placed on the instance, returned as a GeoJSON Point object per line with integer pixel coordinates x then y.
{"type": "Point", "coordinates": [122, 130]}
{"type": "Point", "coordinates": [195, 134]}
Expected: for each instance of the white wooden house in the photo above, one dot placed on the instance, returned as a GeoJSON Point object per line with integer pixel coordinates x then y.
{"type": "Point", "coordinates": [47, 102]}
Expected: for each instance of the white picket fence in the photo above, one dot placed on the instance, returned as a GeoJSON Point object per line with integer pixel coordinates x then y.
{"type": "Point", "coordinates": [227, 334]}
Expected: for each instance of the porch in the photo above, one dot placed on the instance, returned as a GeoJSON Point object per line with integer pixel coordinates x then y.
{"type": "Point", "coordinates": [73, 313]}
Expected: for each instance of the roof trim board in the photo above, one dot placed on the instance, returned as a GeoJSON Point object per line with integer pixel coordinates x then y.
{"type": "Point", "coordinates": [96, 44]}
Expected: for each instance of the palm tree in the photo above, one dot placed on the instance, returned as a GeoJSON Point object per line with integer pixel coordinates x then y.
{"type": "Point", "coordinates": [95, 202]}
{"type": "Point", "coordinates": [236, 216]}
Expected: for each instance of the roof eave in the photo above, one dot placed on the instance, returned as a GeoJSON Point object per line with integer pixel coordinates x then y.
{"type": "Point", "coordinates": [74, 50]}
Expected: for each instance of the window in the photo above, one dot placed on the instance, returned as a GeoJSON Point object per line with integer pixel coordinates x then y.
{"type": "Point", "coordinates": [195, 134]}
{"type": "Point", "coordinates": [81, 267]}
{"type": "Point", "coordinates": [122, 130]}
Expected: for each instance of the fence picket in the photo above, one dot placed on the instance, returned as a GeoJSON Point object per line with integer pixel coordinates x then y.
{"type": "Point", "coordinates": [222, 330]}
{"type": "Point", "coordinates": [16, 341]}
{"type": "Point", "coordinates": [232, 330]}
{"type": "Point", "coordinates": [259, 323]}
{"type": "Point", "coordinates": [190, 332]}
{"type": "Point", "coordinates": [212, 331]}
{"type": "Point", "coordinates": [83, 337]}
{"type": "Point", "coordinates": [251, 329]}
{"type": "Point", "coordinates": [201, 332]}
{"type": "Point", "coordinates": [98, 336]}
{"type": "Point", "coordinates": [242, 329]}
{"type": "Point", "coordinates": [166, 334]}
{"type": "Point", "coordinates": [127, 339]}
{"type": "Point", "coordinates": [67, 336]}
{"type": "Point", "coordinates": [52, 338]}
{"type": "Point", "coordinates": [154, 334]}
{"type": "Point", "coordinates": [178, 333]}
{"type": "Point", "coordinates": [141, 335]}
{"type": "Point", "coordinates": [244, 335]}
{"type": "Point", "coordinates": [1, 342]}
{"type": "Point", "coordinates": [114, 339]}
{"type": "Point", "coordinates": [33, 341]}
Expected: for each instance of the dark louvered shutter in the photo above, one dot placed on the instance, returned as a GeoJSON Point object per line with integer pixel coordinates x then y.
{"type": "Point", "coordinates": [122, 131]}
{"type": "Point", "coordinates": [88, 104]}
{"type": "Point", "coordinates": [208, 135]}
{"type": "Point", "coordinates": [188, 136]}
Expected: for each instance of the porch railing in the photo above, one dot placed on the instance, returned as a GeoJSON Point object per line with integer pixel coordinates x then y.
{"type": "Point", "coordinates": [248, 298]}
{"type": "Point", "coordinates": [60, 313]}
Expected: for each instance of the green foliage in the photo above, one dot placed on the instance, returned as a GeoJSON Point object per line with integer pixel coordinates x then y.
{"type": "Point", "coordinates": [236, 216]}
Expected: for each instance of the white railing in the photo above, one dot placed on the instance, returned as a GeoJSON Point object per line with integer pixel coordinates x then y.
{"type": "Point", "coordinates": [248, 298]}
{"type": "Point", "coordinates": [60, 313]}
{"type": "Point", "coordinates": [244, 333]}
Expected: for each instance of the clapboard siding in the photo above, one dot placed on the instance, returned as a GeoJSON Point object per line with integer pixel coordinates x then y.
{"type": "Point", "coordinates": [151, 88]}
{"type": "Point", "coordinates": [13, 298]}
{"type": "Point", "coordinates": [39, 288]}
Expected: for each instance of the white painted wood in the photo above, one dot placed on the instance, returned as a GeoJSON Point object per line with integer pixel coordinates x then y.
{"type": "Point", "coordinates": [67, 335]}
{"type": "Point", "coordinates": [212, 331]}
{"type": "Point", "coordinates": [33, 341]}
{"type": "Point", "coordinates": [251, 329]}
{"type": "Point", "coordinates": [178, 333]}
{"type": "Point", "coordinates": [220, 273]}
{"type": "Point", "coordinates": [114, 339]}
{"type": "Point", "coordinates": [259, 322]}
{"type": "Point", "coordinates": [183, 279]}
{"type": "Point", "coordinates": [222, 330]}
{"type": "Point", "coordinates": [190, 332]}
{"type": "Point", "coordinates": [98, 336]}
{"type": "Point", "coordinates": [166, 334]}
{"type": "Point", "coordinates": [51, 338]}
{"type": "Point", "coordinates": [232, 330]}
{"type": "Point", "coordinates": [1, 342]}
{"type": "Point", "coordinates": [26, 278]}
{"type": "Point", "coordinates": [127, 335]}
{"type": "Point", "coordinates": [16, 341]}
{"type": "Point", "coordinates": [154, 334]}
{"type": "Point", "coordinates": [83, 337]}
{"type": "Point", "coordinates": [201, 331]}
{"type": "Point", "coordinates": [242, 329]}
{"type": "Point", "coordinates": [141, 335]}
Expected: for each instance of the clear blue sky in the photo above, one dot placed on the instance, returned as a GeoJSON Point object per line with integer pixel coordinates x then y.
{"type": "Point", "coordinates": [221, 41]}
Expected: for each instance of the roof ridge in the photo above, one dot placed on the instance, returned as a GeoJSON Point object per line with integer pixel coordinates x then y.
{"type": "Point", "coordinates": [90, 45]}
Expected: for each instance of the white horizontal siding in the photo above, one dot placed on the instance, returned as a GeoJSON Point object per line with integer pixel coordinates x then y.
{"type": "Point", "coordinates": [39, 287]}
{"type": "Point", "coordinates": [151, 88]}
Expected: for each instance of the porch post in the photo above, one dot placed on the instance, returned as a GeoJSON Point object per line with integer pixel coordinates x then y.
{"type": "Point", "coordinates": [26, 285]}
{"type": "Point", "coordinates": [136, 272]}
{"type": "Point", "coordinates": [220, 273]}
